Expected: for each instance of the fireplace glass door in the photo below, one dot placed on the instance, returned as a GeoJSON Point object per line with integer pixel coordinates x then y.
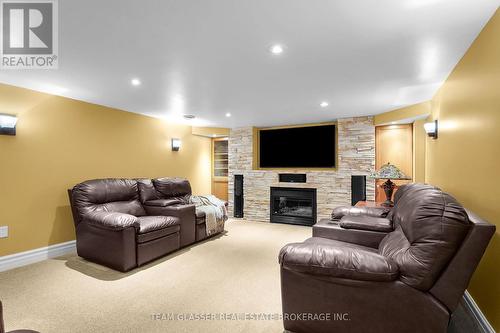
{"type": "Point", "coordinates": [293, 205]}
{"type": "Point", "coordinates": [288, 206]}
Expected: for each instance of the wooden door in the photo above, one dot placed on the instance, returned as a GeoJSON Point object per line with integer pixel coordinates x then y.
{"type": "Point", "coordinates": [219, 189]}
{"type": "Point", "coordinates": [220, 159]}
{"type": "Point", "coordinates": [393, 144]}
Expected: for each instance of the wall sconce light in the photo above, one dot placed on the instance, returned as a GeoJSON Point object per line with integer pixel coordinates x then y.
{"type": "Point", "coordinates": [176, 144]}
{"type": "Point", "coordinates": [432, 129]}
{"type": "Point", "coordinates": [8, 124]}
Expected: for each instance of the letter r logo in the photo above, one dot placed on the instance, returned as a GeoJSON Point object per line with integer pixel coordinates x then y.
{"type": "Point", "coordinates": [27, 27]}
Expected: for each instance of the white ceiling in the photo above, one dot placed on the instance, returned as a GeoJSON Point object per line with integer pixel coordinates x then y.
{"type": "Point", "coordinates": [208, 58]}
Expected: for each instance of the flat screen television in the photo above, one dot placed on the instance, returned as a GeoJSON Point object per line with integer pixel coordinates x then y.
{"type": "Point", "coordinates": [298, 147]}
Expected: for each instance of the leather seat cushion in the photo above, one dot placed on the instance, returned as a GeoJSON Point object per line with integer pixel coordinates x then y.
{"type": "Point", "coordinates": [333, 242]}
{"type": "Point", "coordinates": [111, 220]}
{"type": "Point", "coordinates": [320, 256]}
{"type": "Point", "coordinates": [151, 223]}
{"type": "Point", "coordinates": [366, 223]}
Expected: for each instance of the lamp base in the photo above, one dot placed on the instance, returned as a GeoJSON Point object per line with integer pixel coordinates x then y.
{"type": "Point", "coordinates": [388, 187]}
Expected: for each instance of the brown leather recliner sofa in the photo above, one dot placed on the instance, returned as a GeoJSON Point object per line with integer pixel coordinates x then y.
{"type": "Point", "coordinates": [410, 281]}
{"type": "Point", "coordinates": [125, 223]}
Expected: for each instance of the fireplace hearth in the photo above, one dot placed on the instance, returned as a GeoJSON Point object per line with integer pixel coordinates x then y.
{"type": "Point", "coordinates": [293, 205]}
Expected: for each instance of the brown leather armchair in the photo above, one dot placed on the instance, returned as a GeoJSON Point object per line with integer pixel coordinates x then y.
{"type": "Point", "coordinates": [411, 281]}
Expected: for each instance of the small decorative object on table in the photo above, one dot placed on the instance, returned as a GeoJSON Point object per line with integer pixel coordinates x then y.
{"type": "Point", "coordinates": [389, 171]}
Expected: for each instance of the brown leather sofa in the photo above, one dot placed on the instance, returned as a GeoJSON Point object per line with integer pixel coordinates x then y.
{"type": "Point", "coordinates": [410, 281]}
{"type": "Point", "coordinates": [125, 223]}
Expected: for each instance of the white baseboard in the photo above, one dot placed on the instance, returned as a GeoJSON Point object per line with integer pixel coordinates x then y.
{"type": "Point", "coordinates": [36, 255]}
{"type": "Point", "coordinates": [477, 314]}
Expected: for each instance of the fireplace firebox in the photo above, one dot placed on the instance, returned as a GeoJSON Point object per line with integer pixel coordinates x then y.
{"type": "Point", "coordinates": [293, 205]}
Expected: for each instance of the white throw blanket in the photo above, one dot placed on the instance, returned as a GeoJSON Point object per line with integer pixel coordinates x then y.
{"type": "Point", "coordinates": [214, 209]}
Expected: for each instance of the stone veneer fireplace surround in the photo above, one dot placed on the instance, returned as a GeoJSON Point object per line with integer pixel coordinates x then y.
{"type": "Point", "coordinates": [356, 156]}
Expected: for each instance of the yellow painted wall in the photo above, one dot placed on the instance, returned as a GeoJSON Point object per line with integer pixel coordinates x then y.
{"type": "Point", "coordinates": [419, 146]}
{"type": "Point", "coordinates": [61, 142]}
{"type": "Point", "coordinates": [413, 111]}
{"type": "Point", "coordinates": [465, 159]}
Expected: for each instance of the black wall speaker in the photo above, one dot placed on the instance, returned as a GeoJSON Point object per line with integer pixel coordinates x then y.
{"type": "Point", "coordinates": [358, 189]}
{"type": "Point", "coordinates": [238, 196]}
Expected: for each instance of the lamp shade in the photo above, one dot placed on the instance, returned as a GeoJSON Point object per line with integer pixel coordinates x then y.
{"type": "Point", "coordinates": [389, 171]}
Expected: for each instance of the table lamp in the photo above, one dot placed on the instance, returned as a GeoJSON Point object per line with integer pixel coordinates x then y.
{"type": "Point", "coordinates": [389, 171]}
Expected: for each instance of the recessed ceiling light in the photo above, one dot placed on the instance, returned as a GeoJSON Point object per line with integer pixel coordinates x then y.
{"type": "Point", "coordinates": [277, 49]}
{"type": "Point", "coordinates": [228, 115]}
{"type": "Point", "coordinates": [324, 104]}
{"type": "Point", "coordinates": [135, 82]}
{"type": "Point", "coordinates": [189, 116]}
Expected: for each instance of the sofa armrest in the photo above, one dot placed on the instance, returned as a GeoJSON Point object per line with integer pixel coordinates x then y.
{"type": "Point", "coordinates": [162, 202]}
{"type": "Point", "coordinates": [179, 211]}
{"type": "Point", "coordinates": [346, 262]}
{"type": "Point", "coordinates": [366, 223]}
{"type": "Point", "coordinates": [111, 220]}
{"type": "Point", "coordinates": [342, 211]}
{"type": "Point", "coordinates": [185, 213]}
{"type": "Point", "coordinates": [332, 230]}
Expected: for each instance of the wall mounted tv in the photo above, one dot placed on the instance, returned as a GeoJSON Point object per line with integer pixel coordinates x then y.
{"type": "Point", "coordinates": [298, 147]}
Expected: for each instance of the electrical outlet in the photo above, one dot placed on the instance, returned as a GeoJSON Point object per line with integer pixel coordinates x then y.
{"type": "Point", "coordinates": [4, 232]}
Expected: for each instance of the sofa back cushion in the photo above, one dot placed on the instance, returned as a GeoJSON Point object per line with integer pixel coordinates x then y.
{"type": "Point", "coordinates": [401, 197]}
{"type": "Point", "coordinates": [111, 195]}
{"type": "Point", "coordinates": [403, 189]}
{"type": "Point", "coordinates": [430, 227]}
{"type": "Point", "coordinates": [147, 190]}
{"type": "Point", "coordinates": [172, 187]}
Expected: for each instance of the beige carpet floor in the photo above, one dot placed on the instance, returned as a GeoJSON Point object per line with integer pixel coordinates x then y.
{"type": "Point", "coordinates": [234, 273]}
